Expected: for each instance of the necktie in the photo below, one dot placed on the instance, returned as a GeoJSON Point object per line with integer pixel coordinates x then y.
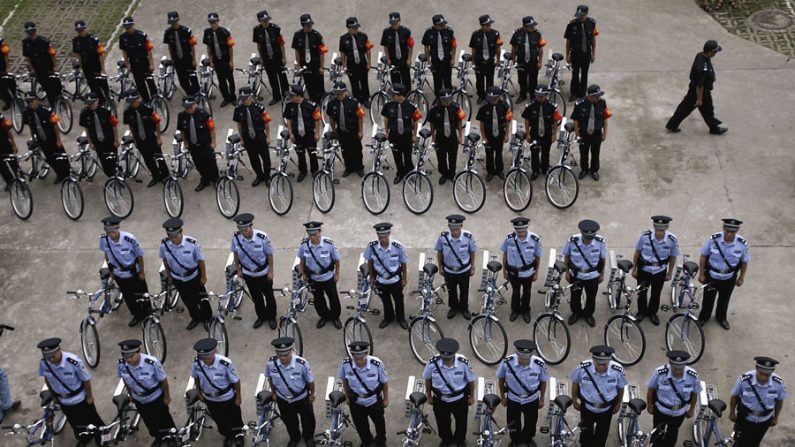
{"type": "Point", "coordinates": [400, 120]}
{"type": "Point", "coordinates": [355, 49]}
{"type": "Point", "coordinates": [527, 47]}
{"type": "Point", "coordinates": [216, 45]}
{"type": "Point", "coordinates": [541, 127]}
{"type": "Point", "coordinates": [301, 128]}
{"type": "Point", "coordinates": [249, 124]}
{"type": "Point", "coordinates": [40, 128]}
{"type": "Point", "coordinates": [494, 122]}
{"type": "Point", "coordinates": [98, 128]}
{"type": "Point", "coordinates": [177, 45]}
{"type": "Point", "coordinates": [584, 44]}
{"type": "Point", "coordinates": [268, 44]}
{"type": "Point", "coordinates": [342, 116]}
{"type": "Point", "coordinates": [398, 54]}
{"type": "Point", "coordinates": [446, 122]}
{"type": "Point", "coordinates": [192, 131]}
{"type": "Point", "coordinates": [439, 49]}
{"type": "Point", "coordinates": [591, 120]}
{"type": "Point", "coordinates": [485, 47]}
{"type": "Point", "coordinates": [140, 121]}
{"type": "Point", "coordinates": [307, 55]}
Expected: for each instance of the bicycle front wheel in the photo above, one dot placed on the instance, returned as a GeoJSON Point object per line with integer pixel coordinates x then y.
{"type": "Point", "coordinates": [155, 339]}
{"type": "Point", "coordinates": [172, 297]}
{"type": "Point", "coordinates": [678, 290]}
{"type": "Point", "coordinates": [469, 191]}
{"type": "Point", "coordinates": [417, 193]}
{"type": "Point", "coordinates": [17, 108]}
{"type": "Point", "coordinates": [89, 339]}
{"type": "Point", "coordinates": [419, 100]}
{"type": "Point", "coordinates": [58, 421]}
{"type": "Point", "coordinates": [324, 106]}
{"type": "Point", "coordinates": [465, 102]}
{"type": "Point", "coordinates": [219, 334]}
{"type": "Point", "coordinates": [355, 330]}
{"type": "Point", "coordinates": [172, 197]}
{"type": "Point", "coordinates": [517, 189]}
{"type": "Point", "coordinates": [488, 339]}
{"type": "Point", "coordinates": [614, 294]}
{"type": "Point", "coordinates": [557, 99]}
{"type": "Point", "coordinates": [64, 111]}
{"type": "Point", "coordinates": [375, 193]}
{"type": "Point", "coordinates": [72, 199]}
{"type": "Point", "coordinates": [289, 328]}
{"type": "Point", "coordinates": [118, 197]}
{"type": "Point", "coordinates": [562, 187]}
{"type": "Point", "coordinates": [423, 335]}
{"type": "Point", "coordinates": [323, 191]}
{"type": "Point", "coordinates": [160, 105]}
{"type": "Point", "coordinates": [377, 102]}
{"type": "Point", "coordinates": [227, 197]}
{"type": "Point", "coordinates": [623, 429]}
{"type": "Point", "coordinates": [280, 194]}
{"type": "Point", "coordinates": [701, 431]}
{"type": "Point", "coordinates": [627, 338]}
{"type": "Point", "coordinates": [682, 333]}
{"type": "Point", "coordinates": [21, 199]}
{"type": "Point", "coordinates": [552, 338]}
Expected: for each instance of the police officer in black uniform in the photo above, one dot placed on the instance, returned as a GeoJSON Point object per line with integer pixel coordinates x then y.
{"type": "Point", "coordinates": [303, 123]}
{"type": "Point", "coordinates": [699, 93]}
{"type": "Point", "coordinates": [580, 38]}
{"type": "Point", "coordinates": [356, 58]}
{"type": "Point", "coordinates": [144, 125]}
{"type": "Point", "coordinates": [40, 57]}
{"type": "Point", "coordinates": [8, 83]}
{"type": "Point", "coordinates": [346, 116]}
{"type": "Point", "coordinates": [400, 123]}
{"type": "Point", "coordinates": [103, 135]}
{"type": "Point", "coordinates": [310, 52]}
{"type": "Point", "coordinates": [137, 50]}
{"type": "Point", "coordinates": [253, 125]}
{"type": "Point", "coordinates": [181, 45]}
{"type": "Point", "coordinates": [198, 130]}
{"type": "Point", "coordinates": [439, 41]}
{"type": "Point", "coordinates": [220, 47]}
{"type": "Point", "coordinates": [485, 44]}
{"type": "Point", "coordinates": [542, 119]}
{"type": "Point", "coordinates": [495, 117]}
{"type": "Point", "coordinates": [527, 48]}
{"type": "Point", "coordinates": [42, 124]}
{"type": "Point", "coordinates": [446, 119]}
{"type": "Point", "coordinates": [270, 45]}
{"type": "Point", "coordinates": [8, 146]}
{"type": "Point", "coordinates": [398, 47]}
{"type": "Point", "coordinates": [91, 54]}
{"type": "Point", "coordinates": [590, 117]}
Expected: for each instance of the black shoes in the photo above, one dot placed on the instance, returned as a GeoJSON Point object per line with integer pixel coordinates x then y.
{"type": "Point", "coordinates": [467, 314]}
{"type": "Point", "coordinates": [320, 323]}
{"type": "Point", "coordinates": [451, 314]}
{"type": "Point", "coordinates": [591, 322]}
{"type": "Point", "coordinates": [582, 175]}
{"type": "Point", "coordinates": [384, 323]}
{"type": "Point", "coordinates": [534, 176]}
{"type": "Point", "coordinates": [527, 318]}
{"type": "Point", "coordinates": [133, 322]}
{"type": "Point", "coordinates": [152, 182]}
{"type": "Point", "coordinates": [257, 181]}
{"type": "Point", "coordinates": [258, 323]}
{"type": "Point", "coordinates": [301, 176]}
{"type": "Point", "coordinates": [272, 324]}
{"type": "Point", "coordinates": [673, 130]}
{"type": "Point", "coordinates": [513, 316]}
{"type": "Point", "coordinates": [725, 324]}
{"type": "Point", "coordinates": [442, 180]}
{"type": "Point", "coordinates": [337, 323]}
{"type": "Point", "coordinates": [200, 186]}
{"type": "Point", "coordinates": [274, 101]}
{"type": "Point", "coordinates": [398, 178]}
{"type": "Point", "coordinates": [346, 173]}
{"type": "Point", "coordinates": [403, 324]}
{"type": "Point", "coordinates": [573, 319]}
{"type": "Point", "coordinates": [718, 130]}
{"type": "Point", "coordinates": [655, 320]}
{"type": "Point", "coordinates": [639, 317]}
{"type": "Point", "coordinates": [521, 98]}
{"type": "Point", "coordinates": [501, 175]}
{"type": "Point", "coordinates": [595, 176]}
{"type": "Point", "coordinates": [192, 324]}
{"type": "Point", "coordinates": [225, 103]}
{"type": "Point", "coordinates": [489, 176]}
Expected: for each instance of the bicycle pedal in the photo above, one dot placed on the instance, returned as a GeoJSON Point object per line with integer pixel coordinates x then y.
{"type": "Point", "coordinates": [573, 162]}
{"type": "Point", "coordinates": [336, 181]}
{"type": "Point", "coordinates": [179, 309]}
{"type": "Point", "coordinates": [239, 178]}
{"type": "Point", "coordinates": [375, 312]}
{"type": "Point", "coordinates": [291, 175]}
{"type": "Point", "coordinates": [137, 180]}
{"type": "Point", "coordinates": [236, 318]}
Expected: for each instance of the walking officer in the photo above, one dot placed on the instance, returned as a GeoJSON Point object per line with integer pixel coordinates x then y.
{"type": "Point", "coordinates": [253, 125]}
{"type": "Point", "coordinates": [386, 262]}
{"type": "Point", "coordinates": [310, 53]}
{"type": "Point", "coordinates": [254, 261]}
{"type": "Point", "coordinates": [699, 92]}
{"type": "Point", "coordinates": [144, 125]}
{"type": "Point", "coordinates": [125, 259]}
{"type": "Point", "coordinates": [102, 131]}
{"type": "Point", "coordinates": [440, 44]}
{"type": "Point", "coordinates": [290, 377]}
{"type": "Point", "coordinates": [198, 130]}
{"type": "Point", "coordinates": [597, 388]}
{"type": "Point", "coordinates": [148, 387]}
{"type": "Point", "coordinates": [356, 58]}
{"type": "Point", "coordinates": [485, 44]}
{"type": "Point", "coordinates": [723, 263]}
{"type": "Point", "coordinates": [522, 378]}
{"type": "Point", "coordinates": [366, 386]}
{"type": "Point", "coordinates": [672, 394]}
{"type": "Point", "coordinates": [42, 123]}
{"type": "Point", "coordinates": [303, 123]}
{"type": "Point", "coordinates": [270, 46]}
{"type": "Point", "coordinates": [320, 267]}
{"type": "Point", "coordinates": [542, 119]}
{"type": "Point", "coordinates": [398, 48]}
{"type": "Point", "coordinates": [495, 118]}
{"type": "Point", "coordinates": [91, 55]}
{"type": "Point", "coordinates": [653, 264]}
{"type": "Point", "coordinates": [40, 57]}
{"type": "Point", "coordinates": [220, 47]}
{"type": "Point", "coordinates": [400, 122]}
{"type": "Point", "coordinates": [585, 255]}
{"type": "Point", "coordinates": [183, 261]}
{"type": "Point", "coordinates": [446, 119]}
{"type": "Point", "coordinates": [450, 388]}
{"type": "Point", "coordinates": [521, 256]}
{"type": "Point", "coordinates": [137, 50]}
{"type": "Point", "coordinates": [219, 388]}
{"type": "Point", "coordinates": [346, 116]}
{"type": "Point", "coordinates": [757, 399]}
{"type": "Point", "coordinates": [527, 48]}
{"type": "Point", "coordinates": [590, 124]}
{"type": "Point", "coordinates": [580, 38]}
{"type": "Point", "coordinates": [8, 146]}
{"type": "Point", "coordinates": [66, 376]}
{"type": "Point", "coordinates": [181, 47]}
{"type": "Point", "coordinates": [455, 252]}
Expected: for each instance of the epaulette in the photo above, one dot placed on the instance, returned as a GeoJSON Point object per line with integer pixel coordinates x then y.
{"type": "Point", "coordinates": [572, 21]}
{"type": "Point", "coordinates": [373, 243]}
{"type": "Point", "coordinates": [191, 240]}
{"type": "Point", "coordinates": [346, 361]}
{"type": "Point", "coordinates": [329, 240]}
{"type": "Point", "coordinates": [777, 379]}
{"type": "Point", "coordinates": [164, 240]}
{"type": "Point", "coordinates": [96, 39]}
{"type": "Point", "coordinates": [224, 362]}
{"type": "Point", "coordinates": [272, 358]}
{"type": "Point", "coordinates": [187, 29]}
{"type": "Point", "coordinates": [617, 367]}
{"type": "Point", "coordinates": [237, 233]}
{"type": "Point", "coordinates": [129, 239]}
{"type": "Point", "coordinates": [262, 236]}
{"type": "Point", "coordinates": [510, 235]}
{"type": "Point", "coordinates": [445, 233]}
{"type": "Point", "coordinates": [693, 373]}
{"type": "Point", "coordinates": [672, 237]}
{"type": "Point", "coordinates": [578, 102]}
{"type": "Point", "coordinates": [663, 370]}
{"type": "Point", "coordinates": [462, 359]}
{"type": "Point", "coordinates": [434, 358]}
{"type": "Point", "coordinates": [599, 238]}
{"type": "Point", "coordinates": [73, 361]}
{"type": "Point", "coordinates": [304, 240]}
{"type": "Point", "coordinates": [149, 361]}
{"type": "Point", "coordinates": [539, 362]}
{"type": "Point", "coordinates": [742, 240]}
{"type": "Point", "coordinates": [517, 30]}
{"type": "Point", "coordinates": [103, 235]}
{"type": "Point", "coordinates": [574, 238]}
{"type": "Point", "coordinates": [715, 235]}
{"type": "Point", "coordinates": [585, 364]}
{"type": "Point", "coordinates": [534, 237]}
{"type": "Point", "coordinates": [311, 103]}
{"type": "Point", "coordinates": [467, 233]}
{"type": "Point", "coordinates": [747, 378]}
{"type": "Point", "coordinates": [646, 233]}
{"type": "Point", "coordinates": [375, 361]}
{"type": "Point", "coordinates": [507, 359]}
{"type": "Point", "coordinates": [275, 25]}
{"type": "Point", "coordinates": [397, 244]}
{"type": "Point", "coordinates": [300, 360]}
{"type": "Point", "coordinates": [591, 20]}
{"type": "Point", "coordinates": [121, 361]}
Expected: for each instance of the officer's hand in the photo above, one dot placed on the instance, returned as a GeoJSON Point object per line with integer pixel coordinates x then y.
{"type": "Point", "coordinates": [505, 273]}
{"type": "Point", "coordinates": [372, 281]}
{"type": "Point", "coordinates": [538, 65]}
{"type": "Point", "coordinates": [336, 277]}
{"type": "Point", "coordinates": [668, 276]}
{"type": "Point", "coordinates": [311, 398]}
{"type": "Point", "coordinates": [212, 145]}
{"type": "Point", "coordinates": [89, 400]}
{"type": "Point", "coordinates": [568, 277]}
{"type": "Point", "coordinates": [430, 401]}
{"type": "Point", "coordinates": [702, 278]}
{"type": "Point", "coordinates": [317, 137]}
{"type": "Point", "coordinates": [470, 400]}
{"type": "Point", "coordinates": [305, 278]}
{"type": "Point", "coordinates": [505, 140]}
{"type": "Point", "coordinates": [577, 405]}
{"type": "Point", "coordinates": [635, 274]}
{"type": "Point", "coordinates": [616, 407]}
{"type": "Point", "coordinates": [601, 278]}
{"type": "Point", "coordinates": [237, 400]}
{"type": "Point", "coordinates": [270, 275]}
{"type": "Point", "coordinates": [284, 62]}
{"type": "Point", "coordinates": [142, 276]}
{"type": "Point", "coordinates": [593, 58]}
{"type": "Point", "coordinates": [739, 282]}
{"type": "Point", "coordinates": [239, 272]}
{"type": "Point", "coordinates": [732, 416]}
{"type": "Point", "coordinates": [231, 65]}
{"type": "Point", "coordinates": [267, 141]}
{"type": "Point", "coordinates": [774, 422]}
{"type": "Point", "coordinates": [403, 281]}
{"type": "Point", "coordinates": [159, 141]}
{"type": "Point", "coordinates": [604, 136]}
{"type": "Point", "coordinates": [386, 402]}
{"type": "Point", "coordinates": [360, 135]}
{"type": "Point", "coordinates": [292, 138]}
{"type": "Point", "coordinates": [203, 279]}
{"type": "Point", "coordinates": [699, 103]}
{"type": "Point", "coordinates": [568, 58]}
{"type": "Point", "coordinates": [413, 138]}
{"type": "Point", "coordinates": [471, 272]}
{"type": "Point", "coordinates": [540, 403]}
{"type": "Point", "coordinates": [535, 276]}
{"type": "Point", "coordinates": [690, 413]}
{"type": "Point", "coordinates": [651, 409]}
{"type": "Point", "coordinates": [166, 400]}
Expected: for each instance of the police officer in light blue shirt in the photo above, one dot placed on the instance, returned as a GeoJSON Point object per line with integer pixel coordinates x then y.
{"type": "Point", "coordinates": [585, 255]}
{"type": "Point", "coordinates": [757, 399]}
{"type": "Point", "coordinates": [70, 383]}
{"type": "Point", "coordinates": [290, 377]}
{"type": "Point", "coordinates": [320, 267]}
{"type": "Point", "coordinates": [522, 378]}
{"type": "Point", "coordinates": [521, 254]}
{"type": "Point", "coordinates": [653, 264]}
{"type": "Point", "coordinates": [386, 261]}
{"type": "Point", "coordinates": [672, 394]}
{"type": "Point", "coordinates": [723, 263]}
{"type": "Point", "coordinates": [597, 389]}
{"type": "Point", "coordinates": [253, 260]}
{"type": "Point", "coordinates": [366, 387]}
{"type": "Point", "coordinates": [455, 252]}
{"type": "Point", "coordinates": [125, 259]}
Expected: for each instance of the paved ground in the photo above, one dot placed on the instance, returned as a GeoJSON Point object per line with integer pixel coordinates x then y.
{"type": "Point", "coordinates": [767, 22]}
{"type": "Point", "coordinates": [694, 177]}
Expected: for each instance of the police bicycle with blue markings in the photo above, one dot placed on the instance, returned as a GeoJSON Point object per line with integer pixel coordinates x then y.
{"type": "Point", "coordinates": [683, 331]}
{"type": "Point", "coordinates": [102, 302]}
{"type": "Point", "coordinates": [44, 429]}
{"type": "Point", "coordinates": [227, 195]}
{"type": "Point", "coordinates": [197, 415]}
{"type": "Point", "coordinates": [629, 431]}
{"type": "Point", "coordinates": [487, 435]}
{"type": "Point", "coordinates": [355, 327]}
{"type": "Point", "coordinates": [469, 190]}
{"type": "Point", "coordinates": [382, 94]}
{"type": "Point", "coordinates": [206, 85]}
{"type": "Point", "coordinates": [340, 420]}
{"type": "Point", "coordinates": [299, 300]}
{"type": "Point", "coordinates": [181, 164]}
{"type": "Point", "coordinates": [622, 331]}
{"type": "Point", "coordinates": [280, 189]}
{"type": "Point", "coordinates": [267, 416]}
{"type": "Point", "coordinates": [550, 331]}
{"type": "Point", "coordinates": [228, 304]}
{"type": "Point", "coordinates": [116, 192]}
{"type": "Point", "coordinates": [561, 434]}
{"type": "Point", "coordinates": [706, 427]}
{"type": "Point", "coordinates": [418, 421]}
{"type": "Point", "coordinates": [680, 283]}
{"type": "Point", "coordinates": [154, 336]}
{"type": "Point", "coordinates": [487, 335]}
{"type": "Point", "coordinates": [424, 331]}
{"type": "Point", "coordinates": [417, 186]}
{"type": "Point", "coordinates": [517, 188]}
{"type": "Point", "coordinates": [323, 180]}
{"type": "Point", "coordinates": [19, 191]}
{"type": "Point", "coordinates": [375, 187]}
{"type": "Point", "coordinates": [562, 186]}
{"type": "Point", "coordinates": [124, 424]}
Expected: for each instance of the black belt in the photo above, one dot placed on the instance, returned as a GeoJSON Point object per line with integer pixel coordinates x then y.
{"type": "Point", "coordinates": [457, 393]}
{"type": "Point", "coordinates": [374, 392]}
{"type": "Point", "coordinates": [595, 405]}
{"type": "Point", "coordinates": [670, 407]}
{"type": "Point", "coordinates": [72, 393]}
{"type": "Point", "coordinates": [522, 396]}
{"type": "Point", "coordinates": [747, 411]}
{"type": "Point", "coordinates": [148, 391]}
{"type": "Point", "coordinates": [219, 392]}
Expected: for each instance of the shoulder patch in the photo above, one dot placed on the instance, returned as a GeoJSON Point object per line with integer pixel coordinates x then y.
{"type": "Point", "coordinates": [507, 359]}
{"type": "Point", "coordinates": [463, 359]}
{"type": "Point", "coordinates": [262, 235]}
{"type": "Point", "coordinates": [599, 238]}
{"type": "Point", "coordinates": [346, 361]}
{"type": "Point", "coordinates": [397, 244]}
{"type": "Point", "coordinates": [663, 370]}
{"type": "Point", "coordinates": [130, 239]}
{"type": "Point", "coordinates": [73, 361]}
{"type": "Point", "coordinates": [742, 240]}
{"type": "Point", "coordinates": [617, 367]}
{"type": "Point", "coordinates": [435, 358]}
{"type": "Point", "coordinates": [272, 358]}
{"type": "Point", "coordinates": [585, 364]}
{"type": "Point", "coordinates": [646, 233]}
{"type": "Point", "coordinates": [300, 360]}
{"type": "Point", "coordinates": [777, 379]}
{"type": "Point", "coordinates": [692, 373]}
{"type": "Point", "coordinates": [715, 236]}
{"type": "Point", "coordinates": [534, 237]}
{"type": "Point", "coordinates": [672, 237]}
{"type": "Point", "coordinates": [224, 362]}
{"type": "Point", "coordinates": [373, 243]}
{"type": "Point", "coordinates": [149, 361]}
{"type": "Point", "coordinates": [375, 362]}
{"type": "Point", "coordinates": [329, 240]}
{"type": "Point", "coordinates": [306, 239]}
{"type": "Point", "coordinates": [510, 235]}
{"type": "Point", "coordinates": [539, 362]}
{"type": "Point", "coordinates": [467, 234]}
{"type": "Point", "coordinates": [574, 238]}
{"type": "Point", "coordinates": [444, 233]}
{"type": "Point", "coordinates": [191, 240]}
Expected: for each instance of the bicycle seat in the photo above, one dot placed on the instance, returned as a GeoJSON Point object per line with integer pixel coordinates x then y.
{"type": "Point", "coordinates": [425, 132]}
{"type": "Point", "coordinates": [336, 398]}
{"type": "Point", "coordinates": [416, 398]}
{"type": "Point", "coordinates": [473, 138]}
{"type": "Point", "coordinates": [179, 137]}
{"type": "Point", "coordinates": [494, 266]}
{"type": "Point", "coordinates": [507, 56]}
{"type": "Point", "coordinates": [264, 397]}
{"type": "Point", "coordinates": [338, 61]}
{"type": "Point", "coordinates": [127, 139]}
{"type": "Point", "coordinates": [104, 273]}
{"type": "Point", "coordinates": [206, 62]}
{"type": "Point", "coordinates": [75, 65]}
{"type": "Point", "coordinates": [121, 64]}
{"type": "Point", "coordinates": [380, 137]}
{"type": "Point", "coordinates": [191, 396]}
{"type": "Point", "coordinates": [82, 140]}
{"type": "Point", "coordinates": [637, 405]}
{"type": "Point", "coordinates": [625, 265]}
{"type": "Point", "coordinates": [285, 134]}
{"type": "Point", "coordinates": [46, 397]}
{"type": "Point", "coordinates": [491, 401]}
{"type": "Point", "coordinates": [363, 269]}
{"type": "Point", "coordinates": [717, 406]}
{"type": "Point", "coordinates": [422, 58]}
{"type": "Point", "coordinates": [430, 268]}
{"type": "Point", "coordinates": [563, 402]}
{"type": "Point", "coordinates": [557, 57]}
{"type": "Point", "coordinates": [328, 135]}
{"type": "Point", "coordinates": [121, 401]}
{"type": "Point", "coordinates": [32, 144]}
{"type": "Point", "coordinates": [234, 138]}
{"type": "Point", "coordinates": [383, 60]}
{"type": "Point", "coordinates": [256, 60]}
{"type": "Point", "coordinates": [690, 267]}
{"type": "Point", "coordinates": [569, 126]}
{"type": "Point", "coordinates": [520, 136]}
{"type": "Point", "coordinates": [230, 270]}
{"type": "Point", "coordinates": [466, 57]}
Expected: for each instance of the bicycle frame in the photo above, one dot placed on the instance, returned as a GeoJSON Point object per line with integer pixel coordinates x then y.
{"type": "Point", "coordinates": [377, 149]}
{"type": "Point", "coordinates": [36, 157]}
{"type": "Point", "coordinates": [44, 423]}
{"type": "Point", "coordinates": [383, 71]}
{"type": "Point", "coordinates": [339, 422]}
{"type": "Point", "coordinates": [331, 149]}
{"type": "Point", "coordinates": [418, 424]}
{"type": "Point", "coordinates": [552, 72]}
{"type": "Point", "coordinates": [504, 73]}
{"type": "Point", "coordinates": [421, 66]}
{"type": "Point", "coordinates": [80, 83]}
{"type": "Point", "coordinates": [205, 77]}
{"type": "Point", "coordinates": [471, 149]}
{"type": "Point", "coordinates": [180, 161]}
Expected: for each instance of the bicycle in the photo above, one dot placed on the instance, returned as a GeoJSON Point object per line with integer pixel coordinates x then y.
{"type": "Point", "coordinates": [486, 434]}
{"type": "Point", "coordinates": [683, 276]}
{"type": "Point", "coordinates": [623, 332]}
{"type": "Point", "coordinates": [39, 168]}
{"type": "Point", "coordinates": [562, 186]}
{"type": "Point", "coordinates": [355, 327]}
{"type": "Point", "coordinates": [181, 164]}
{"type": "Point", "coordinates": [102, 302]}
{"type": "Point", "coordinates": [124, 424]}
{"type": "Point", "coordinates": [424, 331]}
{"type": "Point", "coordinates": [460, 93]}
{"type": "Point", "coordinates": [159, 100]}
{"type": "Point", "coordinates": [297, 78]}
{"type": "Point", "coordinates": [517, 188]}
{"type": "Point", "coordinates": [375, 187]}
{"type": "Point", "coordinates": [122, 78]}
{"type": "Point", "coordinates": [339, 422]}
{"type": "Point", "coordinates": [384, 93]}
{"type": "Point", "coordinates": [552, 72]}
{"type": "Point", "coordinates": [469, 190]}
{"type": "Point", "coordinates": [335, 72]}
{"type": "Point", "coordinates": [706, 427]}
{"type": "Point", "coordinates": [504, 73]}
{"type": "Point", "coordinates": [228, 303]}
{"type": "Point", "coordinates": [683, 331]}
{"type": "Point", "coordinates": [487, 336]}
{"type": "Point", "coordinates": [266, 419]}
{"type": "Point", "coordinates": [128, 158]}
{"type": "Point", "coordinates": [71, 193]}
{"type": "Point", "coordinates": [254, 78]}
{"type": "Point", "coordinates": [418, 421]}
{"type": "Point", "coordinates": [227, 195]}
{"type": "Point", "coordinates": [288, 323]}
{"type": "Point", "coordinates": [19, 191]}
{"type": "Point", "coordinates": [116, 192]}
{"type": "Point", "coordinates": [206, 85]}
{"type": "Point", "coordinates": [323, 180]}
{"type": "Point", "coordinates": [416, 96]}
{"type": "Point", "coordinates": [84, 162]}
{"type": "Point", "coordinates": [80, 85]}
{"type": "Point", "coordinates": [165, 77]}
{"type": "Point", "coordinates": [44, 429]}
{"type": "Point", "coordinates": [197, 415]}
{"type": "Point", "coordinates": [550, 331]}
{"type": "Point", "coordinates": [169, 292]}
{"type": "Point", "coordinates": [629, 432]}
{"type": "Point", "coordinates": [154, 336]}
{"type": "Point", "coordinates": [280, 189]}
{"type": "Point", "coordinates": [561, 434]}
{"type": "Point", "coordinates": [18, 101]}
{"type": "Point", "coordinates": [417, 187]}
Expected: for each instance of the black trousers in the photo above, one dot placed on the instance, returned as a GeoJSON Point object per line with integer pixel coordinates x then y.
{"type": "Point", "coordinates": [156, 417]}
{"type": "Point", "coordinates": [306, 147]}
{"type": "Point", "coordinates": [321, 291]}
{"type": "Point", "coordinates": [261, 290]}
{"type": "Point", "coordinates": [722, 289]}
{"type": "Point", "coordinates": [539, 155]}
{"type": "Point", "coordinates": [401, 74]}
{"type": "Point", "coordinates": [192, 292]}
{"type": "Point", "coordinates": [131, 289]}
{"type": "Point", "coordinates": [656, 283]}
{"type": "Point", "coordinates": [290, 412]}
{"type": "Point", "coordinates": [459, 411]}
{"type": "Point", "coordinates": [523, 433]}
{"type": "Point", "coordinates": [51, 83]}
{"type": "Point", "coordinates": [351, 150]}
{"type": "Point", "coordinates": [484, 77]}
{"type": "Point", "coordinates": [81, 415]}
{"type": "Point", "coordinates": [153, 157]}
{"type": "Point", "coordinates": [186, 74]}
{"type": "Point", "coordinates": [447, 153]}
{"type": "Point", "coordinates": [528, 78]}
{"type": "Point", "coordinates": [227, 416]}
{"type": "Point", "coordinates": [276, 77]}
{"type": "Point", "coordinates": [51, 151]}
{"type": "Point", "coordinates": [7, 173]}
{"type": "Point", "coordinates": [8, 87]}
{"type": "Point", "coordinates": [314, 84]}
{"type": "Point", "coordinates": [596, 427]}
{"type": "Point", "coordinates": [442, 76]}
{"type": "Point", "coordinates": [204, 159]}
{"type": "Point", "coordinates": [457, 290]}
{"type": "Point", "coordinates": [751, 433]}
{"type": "Point", "coordinates": [521, 292]}
{"type": "Point", "coordinates": [688, 104]}
{"type": "Point", "coordinates": [226, 79]}
{"type": "Point", "coordinates": [590, 147]}
{"type": "Point", "coordinates": [360, 416]}
{"type": "Point", "coordinates": [108, 157]}
{"type": "Point", "coordinates": [360, 85]}
{"type": "Point", "coordinates": [401, 151]}
{"type": "Point", "coordinates": [580, 62]}
{"type": "Point", "coordinates": [258, 155]}
{"type": "Point", "coordinates": [388, 294]}
{"type": "Point", "coordinates": [672, 433]}
{"type": "Point", "coordinates": [590, 286]}
{"type": "Point", "coordinates": [140, 71]}
{"type": "Point", "coordinates": [494, 164]}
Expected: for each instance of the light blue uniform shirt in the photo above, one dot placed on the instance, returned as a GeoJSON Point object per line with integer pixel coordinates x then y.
{"type": "Point", "coordinates": [736, 253]}
{"type": "Point", "coordinates": [121, 255]}
{"type": "Point", "coordinates": [575, 249]}
{"type": "Point", "coordinates": [666, 387]}
{"type": "Point", "coordinates": [253, 253]}
{"type": "Point", "coordinates": [609, 383]}
{"type": "Point", "coordinates": [459, 375]}
{"type": "Point", "coordinates": [531, 375]}
{"type": "Point", "coordinates": [770, 392]}
{"type": "Point", "coordinates": [521, 253]}
{"type": "Point", "coordinates": [298, 374]}
{"type": "Point", "coordinates": [188, 253]}
{"type": "Point", "coordinates": [148, 374]}
{"type": "Point", "coordinates": [216, 378]}
{"type": "Point", "coordinates": [72, 373]}
{"type": "Point", "coordinates": [457, 253]}
{"type": "Point", "coordinates": [664, 248]}
{"type": "Point", "coordinates": [386, 261]}
{"type": "Point", "coordinates": [321, 265]}
{"type": "Point", "coordinates": [373, 375]}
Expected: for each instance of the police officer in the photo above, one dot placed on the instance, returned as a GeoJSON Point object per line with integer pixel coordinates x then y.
{"type": "Point", "coordinates": [125, 259]}
{"type": "Point", "coordinates": [597, 387]}
{"type": "Point", "coordinates": [91, 54]}
{"type": "Point", "coordinates": [590, 124]}
{"type": "Point", "coordinates": [699, 92]}
{"type": "Point", "coordinates": [485, 44]}
{"type": "Point", "coordinates": [446, 119]}
{"type": "Point", "coordinates": [42, 123]}
{"type": "Point", "coordinates": [542, 118]}
{"type": "Point", "coordinates": [653, 263]}
{"type": "Point", "coordinates": [580, 38]}
{"type": "Point", "coordinates": [219, 388]}
{"type": "Point", "coordinates": [7, 405]}
{"type": "Point", "coordinates": [103, 135]}
{"type": "Point", "coordinates": [310, 52]}
{"type": "Point", "coordinates": [303, 123]}
{"type": "Point", "coordinates": [527, 49]}
{"type": "Point", "coordinates": [455, 252]}
{"type": "Point", "coordinates": [144, 125]}
{"type": "Point", "coordinates": [148, 387]}
{"type": "Point", "coordinates": [320, 267]}
{"type": "Point", "coordinates": [400, 122]}
{"type": "Point", "coordinates": [439, 41]}
{"type": "Point", "coordinates": [137, 50]}
{"type": "Point", "coordinates": [355, 51]}
{"type": "Point", "coordinates": [398, 48]}
{"type": "Point", "coordinates": [8, 146]}
{"type": "Point", "coordinates": [346, 116]}
{"type": "Point", "coordinates": [723, 263]}
{"type": "Point", "coordinates": [198, 128]}
{"type": "Point", "coordinates": [220, 47]}
{"type": "Point", "coordinates": [290, 377]}
{"type": "Point", "coordinates": [70, 382]}
{"type": "Point", "coordinates": [183, 261]}
{"type": "Point", "coordinates": [386, 262]}
{"type": "Point", "coordinates": [522, 378]}
{"type": "Point", "coordinates": [757, 399]}
{"type": "Point", "coordinates": [495, 117]}
{"type": "Point", "coordinates": [450, 388]}
{"type": "Point", "coordinates": [672, 394]}
{"type": "Point", "coordinates": [181, 47]}
{"type": "Point", "coordinates": [8, 83]}
{"type": "Point", "coordinates": [253, 125]}
{"type": "Point", "coordinates": [270, 45]}
{"type": "Point", "coordinates": [40, 57]}
{"type": "Point", "coordinates": [521, 256]}
{"type": "Point", "coordinates": [253, 261]}
{"type": "Point", "coordinates": [585, 255]}
{"type": "Point", "coordinates": [366, 386]}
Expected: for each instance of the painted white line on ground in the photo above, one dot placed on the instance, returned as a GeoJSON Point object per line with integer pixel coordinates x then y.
{"type": "Point", "coordinates": [10, 14]}
{"type": "Point", "coordinates": [118, 27]}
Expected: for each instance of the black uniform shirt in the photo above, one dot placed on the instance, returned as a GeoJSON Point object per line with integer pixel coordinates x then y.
{"type": "Point", "coordinates": [494, 41]}
{"type": "Point", "coordinates": [106, 121]}
{"type": "Point", "coordinates": [149, 119]}
{"type": "Point", "coordinates": [40, 53]}
{"type": "Point", "coordinates": [575, 30]}
{"type": "Point", "coordinates": [316, 47]}
{"type": "Point", "coordinates": [410, 115]}
{"type": "Point", "coordinates": [702, 74]}
{"type": "Point", "coordinates": [548, 112]}
{"type": "Point", "coordinates": [259, 119]}
{"type": "Point", "coordinates": [404, 40]}
{"type": "Point", "coordinates": [182, 37]}
{"type": "Point", "coordinates": [43, 115]}
{"type": "Point", "coordinates": [90, 49]}
{"type": "Point", "coordinates": [504, 114]}
{"type": "Point", "coordinates": [535, 41]}
{"type": "Point", "coordinates": [136, 44]}
{"type": "Point", "coordinates": [310, 113]}
{"type": "Point", "coordinates": [225, 42]}
{"type": "Point", "coordinates": [273, 33]}
{"type": "Point", "coordinates": [363, 45]}
{"type": "Point", "coordinates": [582, 112]}
{"type": "Point", "coordinates": [455, 116]}
{"type": "Point", "coordinates": [204, 124]}
{"type": "Point", "coordinates": [351, 108]}
{"type": "Point", "coordinates": [448, 43]}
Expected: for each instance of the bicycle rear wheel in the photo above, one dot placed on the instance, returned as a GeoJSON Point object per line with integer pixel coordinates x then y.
{"type": "Point", "coordinates": [355, 330]}
{"type": "Point", "coordinates": [323, 191]}
{"type": "Point", "coordinates": [469, 191]}
{"type": "Point", "coordinates": [219, 334]}
{"type": "Point", "coordinates": [417, 193]}
{"type": "Point", "coordinates": [280, 194]}
{"type": "Point", "coordinates": [114, 294]}
{"type": "Point", "coordinates": [172, 297]}
{"type": "Point", "coordinates": [89, 339]}
{"type": "Point", "coordinates": [199, 416]}
{"type": "Point", "coordinates": [155, 339]}
{"type": "Point", "coordinates": [172, 197]}
{"type": "Point", "coordinates": [517, 189]}
{"type": "Point", "coordinates": [375, 193]}
{"type": "Point", "coordinates": [627, 338]}
{"type": "Point", "coordinates": [678, 290]}
{"type": "Point", "coordinates": [160, 105]}
{"type": "Point", "coordinates": [63, 109]}
{"type": "Point", "coordinates": [17, 108]}
{"type": "Point", "coordinates": [289, 328]}
{"type": "Point", "coordinates": [21, 199]}
{"type": "Point", "coordinates": [324, 106]}
{"type": "Point", "coordinates": [72, 199]}
{"type": "Point", "coordinates": [423, 335]}
{"type": "Point", "coordinates": [118, 197]}
{"type": "Point", "coordinates": [682, 333]}
{"type": "Point", "coordinates": [701, 431]}
{"type": "Point", "coordinates": [557, 99]}
{"type": "Point", "coordinates": [377, 102]}
{"type": "Point", "coordinates": [552, 338]}
{"type": "Point", "coordinates": [488, 339]}
{"type": "Point", "coordinates": [614, 294]}
{"type": "Point", "coordinates": [562, 187]}
{"type": "Point", "coordinates": [465, 102]}
{"type": "Point", "coordinates": [227, 197]}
